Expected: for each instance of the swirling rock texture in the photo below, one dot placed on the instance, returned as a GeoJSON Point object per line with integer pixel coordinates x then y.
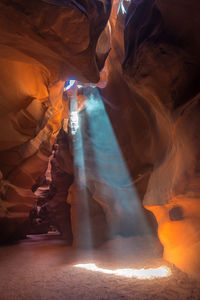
{"type": "Point", "coordinates": [158, 127]}
{"type": "Point", "coordinates": [138, 137]}
{"type": "Point", "coordinates": [42, 44]}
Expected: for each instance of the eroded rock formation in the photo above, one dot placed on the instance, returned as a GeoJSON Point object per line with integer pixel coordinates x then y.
{"type": "Point", "coordinates": [137, 140]}
{"type": "Point", "coordinates": [41, 45]}
{"type": "Point", "coordinates": [161, 80]}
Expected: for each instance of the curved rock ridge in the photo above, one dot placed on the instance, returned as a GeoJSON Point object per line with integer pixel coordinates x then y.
{"type": "Point", "coordinates": [161, 78]}
{"type": "Point", "coordinates": [41, 46]}
{"type": "Point", "coordinates": [130, 164]}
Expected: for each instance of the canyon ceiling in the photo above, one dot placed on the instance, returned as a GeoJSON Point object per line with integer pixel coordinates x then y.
{"type": "Point", "coordinates": [140, 140]}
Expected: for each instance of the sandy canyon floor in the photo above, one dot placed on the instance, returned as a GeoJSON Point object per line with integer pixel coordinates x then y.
{"type": "Point", "coordinates": [42, 267]}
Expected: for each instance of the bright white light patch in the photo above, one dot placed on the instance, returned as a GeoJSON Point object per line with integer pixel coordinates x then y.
{"type": "Point", "coordinates": [121, 7]}
{"type": "Point", "coordinates": [70, 83]}
{"type": "Point", "coordinates": [74, 122]}
{"type": "Point", "coordinates": [150, 273]}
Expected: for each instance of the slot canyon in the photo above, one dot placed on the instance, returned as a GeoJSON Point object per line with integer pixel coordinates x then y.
{"type": "Point", "coordinates": [99, 149]}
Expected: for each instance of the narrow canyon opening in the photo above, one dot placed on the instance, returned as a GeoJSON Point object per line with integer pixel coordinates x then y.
{"type": "Point", "coordinates": [99, 149]}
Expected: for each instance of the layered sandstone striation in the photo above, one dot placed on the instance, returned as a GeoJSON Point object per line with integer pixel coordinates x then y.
{"type": "Point", "coordinates": [42, 44]}
{"type": "Point", "coordinates": [158, 90]}
{"type": "Point", "coordinates": [138, 138]}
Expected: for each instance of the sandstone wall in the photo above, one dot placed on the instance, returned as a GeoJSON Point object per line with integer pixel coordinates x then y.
{"type": "Point", "coordinates": [42, 44]}
{"type": "Point", "coordinates": [158, 125]}
{"type": "Point", "coordinates": [148, 113]}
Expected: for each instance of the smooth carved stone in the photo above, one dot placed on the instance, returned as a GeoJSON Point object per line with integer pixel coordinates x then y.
{"type": "Point", "coordinates": [164, 107]}
{"type": "Point", "coordinates": [176, 213]}
{"type": "Point", "coordinates": [149, 116]}
{"type": "Point", "coordinates": [143, 22]}
{"type": "Point", "coordinates": [41, 46]}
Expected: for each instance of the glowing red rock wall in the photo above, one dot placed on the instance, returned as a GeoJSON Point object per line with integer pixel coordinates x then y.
{"type": "Point", "coordinates": [158, 90]}
{"type": "Point", "coordinates": [41, 46]}
{"type": "Point", "coordinates": [152, 102]}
